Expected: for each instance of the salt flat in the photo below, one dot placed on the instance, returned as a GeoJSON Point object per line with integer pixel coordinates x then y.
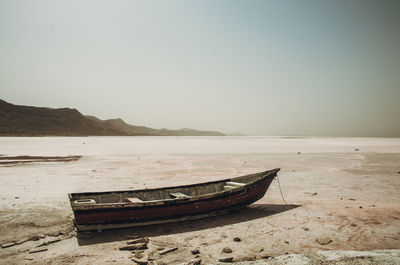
{"type": "Point", "coordinates": [346, 189]}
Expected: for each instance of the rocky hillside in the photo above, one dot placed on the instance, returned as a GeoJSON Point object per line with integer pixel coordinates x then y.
{"type": "Point", "coordinates": [16, 120]}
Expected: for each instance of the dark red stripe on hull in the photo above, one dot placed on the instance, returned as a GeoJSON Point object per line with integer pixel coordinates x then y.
{"type": "Point", "coordinates": [138, 214]}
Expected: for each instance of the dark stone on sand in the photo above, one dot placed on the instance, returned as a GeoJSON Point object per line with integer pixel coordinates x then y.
{"type": "Point", "coordinates": [266, 257]}
{"type": "Point", "coordinates": [195, 251]}
{"type": "Point", "coordinates": [227, 250]}
{"type": "Point", "coordinates": [230, 259]}
{"type": "Point", "coordinates": [237, 239]}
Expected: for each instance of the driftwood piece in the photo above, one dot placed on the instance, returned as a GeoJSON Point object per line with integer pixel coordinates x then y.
{"type": "Point", "coordinates": [38, 249]}
{"type": "Point", "coordinates": [134, 246]}
{"type": "Point", "coordinates": [165, 251]}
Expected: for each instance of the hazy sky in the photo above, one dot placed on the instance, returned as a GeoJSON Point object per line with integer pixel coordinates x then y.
{"type": "Point", "coordinates": [297, 67]}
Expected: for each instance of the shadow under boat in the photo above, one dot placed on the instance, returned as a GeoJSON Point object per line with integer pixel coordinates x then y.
{"type": "Point", "coordinates": [252, 212]}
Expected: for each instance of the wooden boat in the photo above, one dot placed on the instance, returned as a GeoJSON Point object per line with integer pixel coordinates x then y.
{"type": "Point", "coordinates": [118, 209]}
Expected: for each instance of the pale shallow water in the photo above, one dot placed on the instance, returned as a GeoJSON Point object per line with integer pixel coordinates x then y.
{"type": "Point", "coordinates": [106, 146]}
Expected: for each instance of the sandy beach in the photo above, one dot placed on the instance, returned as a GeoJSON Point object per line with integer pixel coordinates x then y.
{"type": "Point", "coordinates": [342, 190]}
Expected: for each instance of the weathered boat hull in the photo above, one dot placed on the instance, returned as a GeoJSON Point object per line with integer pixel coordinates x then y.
{"type": "Point", "coordinates": [130, 215]}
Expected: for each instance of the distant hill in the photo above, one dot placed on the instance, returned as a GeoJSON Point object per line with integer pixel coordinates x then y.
{"type": "Point", "coordinates": [16, 120]}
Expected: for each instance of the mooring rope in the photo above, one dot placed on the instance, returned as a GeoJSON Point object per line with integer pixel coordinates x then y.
{"type": "Point", "coordinates": [280, 189]}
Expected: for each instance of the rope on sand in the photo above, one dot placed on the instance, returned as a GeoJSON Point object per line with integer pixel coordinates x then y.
{"type": "Point", "coordinates": [280, 189]}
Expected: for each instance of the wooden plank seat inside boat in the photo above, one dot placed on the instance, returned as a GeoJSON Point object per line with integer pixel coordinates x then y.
{"type": "Point", "coordinates": [235, 184]}
{"type": "Point", "coordinates": [85, 201]}
{"type": "Point", "coordinates": [134, 200]}
{"type": "Point", "coordinates": [179, 195]}
{"type": "Point", "coordinates": [232, 185]}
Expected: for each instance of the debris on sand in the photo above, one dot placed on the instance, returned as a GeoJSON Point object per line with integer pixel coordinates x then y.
{"type": "Point", "coordinates": [162, 243]}
{"type": "Point", "coordinates": [15, 160]}
{"type": "Point", "coordinates": [251, 258]}
{"type": "Point", "coordinates": [7, 245]}
{"type": "Point", "coordinates": [34, 238]}
{"type": "Point", "coordinates": [38, 249]}
{"type": "Point", "coordinates": [165, 251]}
{"type": "Point", "coordinates": [50, 242]}
{"type": "Point", "coordinates": [153, 255]}
{"type": "Point", "coordinates": [257, 249]}
{"type": "Point", "coordinates": [323, 240]}
{"type": "Point", "coordinates": [22, 241]}
{"type": "Point", "coordinates": [140, 261]}
{"type": "Point", "coordinates": [237, 239]}
{"type": "Point", "coordinates": [195, 251]}
{"type": "Point", "coordinates": [230, 259]}
{"type": "Point", "coordinates": [134, 247]}
{"type": "Point", "coordinates": [193, 262]}
{"type": "Point", "coordinates": [139, 255]}
{"type": "Point", "coordinates": [227, 250]}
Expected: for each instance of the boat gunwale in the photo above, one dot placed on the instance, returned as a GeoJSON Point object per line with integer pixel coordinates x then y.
{"type": "Point", "coordinates": [121, 205]}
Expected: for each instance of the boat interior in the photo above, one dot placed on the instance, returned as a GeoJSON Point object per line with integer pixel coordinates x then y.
{"type": "Point", "coordinates": [162, 194]}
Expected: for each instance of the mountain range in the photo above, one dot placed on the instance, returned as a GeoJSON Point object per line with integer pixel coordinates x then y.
{"type": "Point", "coordinates": [18, 120]}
